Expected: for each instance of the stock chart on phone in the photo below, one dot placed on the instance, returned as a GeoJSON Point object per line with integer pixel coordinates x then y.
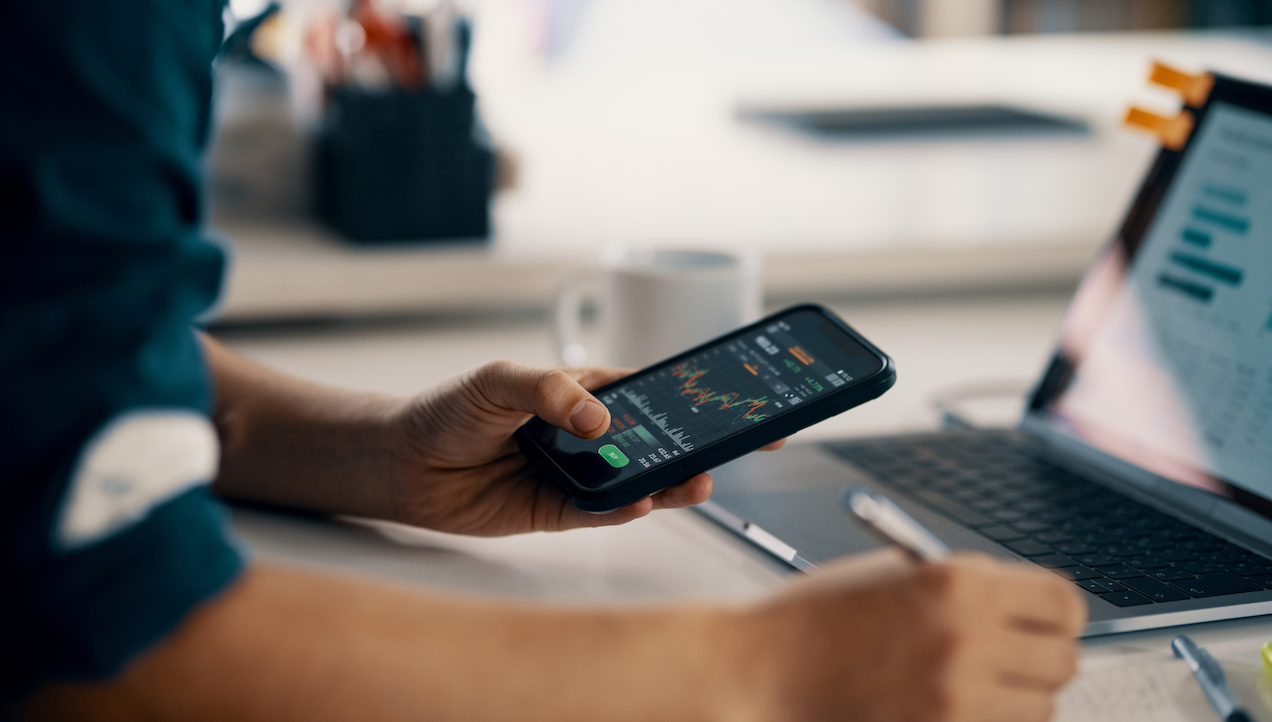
{"type": "Point", "coordinates": [710, 395]}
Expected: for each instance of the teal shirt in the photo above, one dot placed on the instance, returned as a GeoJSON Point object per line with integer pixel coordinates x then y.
{"type": "Point", "coordinates": [104, 115]}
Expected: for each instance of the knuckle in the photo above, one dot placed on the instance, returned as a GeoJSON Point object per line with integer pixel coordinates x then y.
{"type": "Point", "coordinates": [499, 368]}
{"type": "Point", "coordinates": [550, 383]}
{"type": "Point", "coordinates": [489, 383]}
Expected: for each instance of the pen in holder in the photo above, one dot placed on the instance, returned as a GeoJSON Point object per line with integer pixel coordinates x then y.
{"type": "Point", "coordinates": [403, 161]}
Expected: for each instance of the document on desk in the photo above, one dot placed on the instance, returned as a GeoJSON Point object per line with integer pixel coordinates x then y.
{"type": "Point", "coordinates": [1153, 687]}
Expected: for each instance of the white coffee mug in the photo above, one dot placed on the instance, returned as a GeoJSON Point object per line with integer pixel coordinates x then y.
{"type": "Point", "coordinates": [656, 302]}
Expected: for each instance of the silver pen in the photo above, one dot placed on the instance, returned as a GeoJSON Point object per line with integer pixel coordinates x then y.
{"type": "Point", "coordinates": [878, 513]}
{"type": "Point", "coordinates": [1211, 678]}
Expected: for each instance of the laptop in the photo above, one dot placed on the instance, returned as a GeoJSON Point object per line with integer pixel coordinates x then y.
{"type": "Point", "coordinates": [1142, 467]}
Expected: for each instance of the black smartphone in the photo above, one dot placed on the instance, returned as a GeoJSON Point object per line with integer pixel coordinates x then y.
{"type": "Point", "coordinates": [712, 404]}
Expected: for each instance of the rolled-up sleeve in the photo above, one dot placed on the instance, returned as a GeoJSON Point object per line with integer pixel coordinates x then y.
{"type": "Point", "coordinates": [109, 535]}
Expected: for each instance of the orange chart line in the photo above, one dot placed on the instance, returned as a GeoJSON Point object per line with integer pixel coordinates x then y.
{"type": "Point", "coordinates": [689, 375]}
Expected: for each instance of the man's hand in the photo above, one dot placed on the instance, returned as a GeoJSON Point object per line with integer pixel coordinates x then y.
{"type": "Point", "coordinates": [881, 638]}
{"type": "Point", "coordinates": [444, 460]}
{"type": "Point", "coordinates": [462, 471]}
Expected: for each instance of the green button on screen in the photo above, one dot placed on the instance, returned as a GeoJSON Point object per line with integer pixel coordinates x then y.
{"type": "Point", "coordinates": [616, 458]}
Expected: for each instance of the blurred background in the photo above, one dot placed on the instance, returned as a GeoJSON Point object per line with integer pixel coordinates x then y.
{"type": "Point", "coordinates": [928, 18]}
{"type": "Point", "coordinates": [406, 183]}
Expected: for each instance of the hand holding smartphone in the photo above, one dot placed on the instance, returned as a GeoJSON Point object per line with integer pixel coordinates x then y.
{"type": "Point", "coordinates": [712, 404]}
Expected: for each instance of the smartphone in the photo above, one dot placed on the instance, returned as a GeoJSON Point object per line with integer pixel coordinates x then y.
{"type": "Point", "coordinates": [710, 405]}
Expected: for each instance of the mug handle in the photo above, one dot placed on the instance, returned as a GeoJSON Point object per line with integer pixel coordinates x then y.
{"type": "Point", "coordinates": [569, 311]}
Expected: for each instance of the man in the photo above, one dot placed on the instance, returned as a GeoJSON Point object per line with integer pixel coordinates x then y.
{"type": "Point", "coordinates": [125, 596]}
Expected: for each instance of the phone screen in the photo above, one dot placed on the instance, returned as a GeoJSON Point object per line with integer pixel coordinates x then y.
{"type": "Point", "coordinates": [676, 409]}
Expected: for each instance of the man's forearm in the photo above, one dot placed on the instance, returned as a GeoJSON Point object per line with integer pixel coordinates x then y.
{"type": "Point", "coordinates": [291, 442]}
{"type": "Point", "coordinates": [875, 638]}
{"type": "Point", "coordinates": [285, 645]}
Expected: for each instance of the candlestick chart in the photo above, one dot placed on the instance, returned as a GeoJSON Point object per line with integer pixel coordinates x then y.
{"type": "Point", "coordinates": [690, 378]}
{"type": "Point", "coordinates": [721, 390]}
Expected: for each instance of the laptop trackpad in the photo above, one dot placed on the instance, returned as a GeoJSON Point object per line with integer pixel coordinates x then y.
{"type": "Point", "coordinates": [794, 495]}
{"type": "Point", "coordinates": [807, 519]}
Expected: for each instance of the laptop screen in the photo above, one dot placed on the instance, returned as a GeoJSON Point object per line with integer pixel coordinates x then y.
{"type": "Point", "coordinates": [1165, 356]}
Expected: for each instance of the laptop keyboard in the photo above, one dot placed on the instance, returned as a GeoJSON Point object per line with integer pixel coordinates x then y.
{"type": "Point", "coordinates": [1108, 544]}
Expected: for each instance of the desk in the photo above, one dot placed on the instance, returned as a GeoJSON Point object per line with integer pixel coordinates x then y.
{"type": "Point", "coordinates": [671, 555]}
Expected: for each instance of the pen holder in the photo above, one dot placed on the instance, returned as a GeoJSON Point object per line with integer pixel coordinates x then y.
{"type": "Point", "coordinates": [403, 166]}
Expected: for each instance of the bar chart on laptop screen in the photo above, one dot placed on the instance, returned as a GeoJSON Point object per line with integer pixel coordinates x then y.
{"type": "Point", "coordinates": [1218, 214]}
{"type": "Point", "coordinates": [1203, 276]}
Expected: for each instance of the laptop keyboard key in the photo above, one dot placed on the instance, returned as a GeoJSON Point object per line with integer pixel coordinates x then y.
{"type": "Point", "coordinates": [1264, 579]}
{"type": "Point", "coordinates": [1033, 506]}
{"type": "Point", "coordinates": [1170, 574]}
{"type": "Point", "coordinates": [1030, 526]}
{"type": "Point", "coordinates": [985, 506]}
{"type": "Point", "coordinates": [1052, 561]}
{"type": "Point", "coordinates": [955, 511]}
{"type": "Point", "coordinates": [1077, 574]}
{"type": "Point", "coordinates": [1248, 569]}
{"type": "Point", "coordinates": [1155, 590]}
{"type": "Point", "coordinates": [1075, 548]}
{"type": "Point", "coordinates": [1101, 586]}
{"type": "Point", "coordinates": [1232, 557]}
{"type": "Point", "coordinates": [1147, 562]}
{"type": "Point", "coordinates": [1097, 560]}
{"type": "Point", "coordinates": [1200, 567]}
{"type": "Point", "coordinates": [1202, 545]}
{"type": "Point", "coordinates": [1028, 548]}
{"type": "Point", "coordinates": [1177, 555]}
{"type": "Point", "coordinates": [1052, 536]}
{"type": "Point", "coordinates": [1121, 571]}
{"type": "Point", "coordinates": [1213, 585]}
{"type": "Point", "coordinates": [1001, 533]}
{"type": "Point", "coordinates": [909, 482]}
{"type": "Point", "coordinates": [1126, 599]}
{"type": "Point", "coordinates": [1122, 550]}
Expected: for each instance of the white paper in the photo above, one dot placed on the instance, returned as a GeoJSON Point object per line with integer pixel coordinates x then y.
{"type": "Point", "coordinates": [1153, 687]}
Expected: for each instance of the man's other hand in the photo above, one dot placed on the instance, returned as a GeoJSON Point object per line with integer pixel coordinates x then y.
{"type": "Point", "coordinates": [879, 637]}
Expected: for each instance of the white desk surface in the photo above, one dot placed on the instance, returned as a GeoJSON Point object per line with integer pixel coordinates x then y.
{"type": "Point", "coordinates": [938, 343]}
